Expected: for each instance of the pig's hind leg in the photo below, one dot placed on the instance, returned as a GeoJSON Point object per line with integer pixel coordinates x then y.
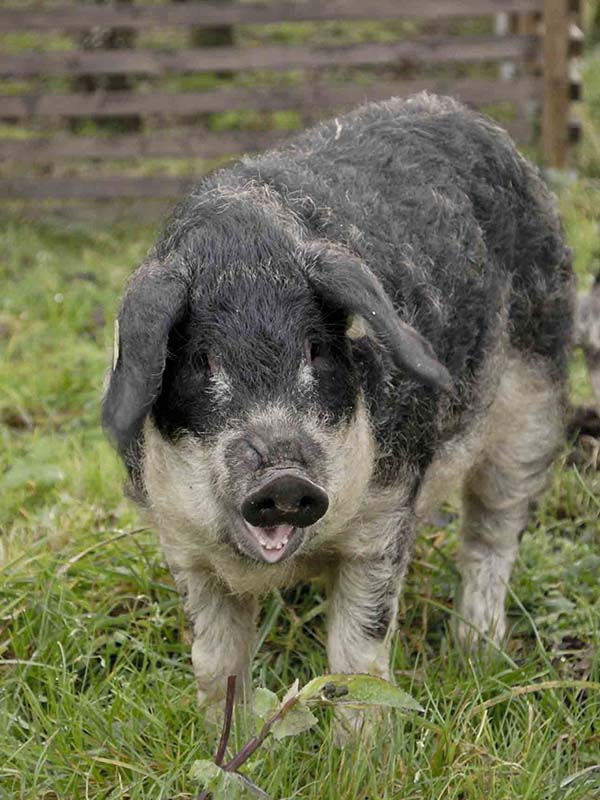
{"type": "Point", "coordinates": [524, 431]}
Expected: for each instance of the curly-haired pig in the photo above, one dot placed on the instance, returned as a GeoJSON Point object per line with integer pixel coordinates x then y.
{"type": "Point", "coordinates": [326, 341]}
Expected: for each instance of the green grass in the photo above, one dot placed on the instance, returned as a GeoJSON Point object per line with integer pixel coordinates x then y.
{"type": "Point", "coordinates": [96, 689]}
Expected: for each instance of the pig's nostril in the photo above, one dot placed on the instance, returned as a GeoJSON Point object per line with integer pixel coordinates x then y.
{"type": "Point", "coordinates": [264, 505]}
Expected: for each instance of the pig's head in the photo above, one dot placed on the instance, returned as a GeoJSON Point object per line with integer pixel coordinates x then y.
{"type": "Point", "coordinates": [236, 396]}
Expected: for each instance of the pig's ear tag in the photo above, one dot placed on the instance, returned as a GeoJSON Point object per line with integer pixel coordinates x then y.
{"type": "Point", "coordinates": [115, 345]}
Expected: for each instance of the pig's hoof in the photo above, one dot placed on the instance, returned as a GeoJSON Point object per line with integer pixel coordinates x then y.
{"type": "Point", "coordinates": [481, 636]}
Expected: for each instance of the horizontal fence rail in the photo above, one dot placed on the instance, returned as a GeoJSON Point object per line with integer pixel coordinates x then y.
{"type": "Point", "coordinates": [429, 50]}
{"type": "Point", "coordinates": [98, 188]}
{"type": "Point", "coordinates": [74, 18]}
{"type": "Point", "coordinates": [305, 98]}
{"type": "Point", "coordinates": [183, 143]}
{"type": "Point", "coordinates": [113, 96]}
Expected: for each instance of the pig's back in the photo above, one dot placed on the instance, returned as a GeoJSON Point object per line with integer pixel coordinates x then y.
{"type": "Point", "coordinates": [444, 210]}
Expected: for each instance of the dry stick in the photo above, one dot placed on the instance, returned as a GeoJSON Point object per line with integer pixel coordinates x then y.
{"type": "Point", "coordinates": [519, 691]}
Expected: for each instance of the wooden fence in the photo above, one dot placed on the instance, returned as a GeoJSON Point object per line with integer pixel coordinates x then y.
{"type": "Point", "coordinates": [93, 72]}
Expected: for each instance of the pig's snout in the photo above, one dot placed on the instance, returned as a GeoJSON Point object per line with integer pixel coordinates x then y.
{"type": "Point", "coordinates": [285, 499]}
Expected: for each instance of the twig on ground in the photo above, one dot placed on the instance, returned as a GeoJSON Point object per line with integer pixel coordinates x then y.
{"type": "Point", "coordinates": [543, 686]}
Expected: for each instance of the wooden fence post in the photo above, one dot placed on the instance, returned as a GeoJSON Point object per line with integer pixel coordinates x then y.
{"type": "Point", "coordinates": [576, 45]}
{"type": "Point", "coordinates": [555, 117]}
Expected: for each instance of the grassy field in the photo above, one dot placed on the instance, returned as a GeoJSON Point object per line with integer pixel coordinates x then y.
{"type": "Point", "coordinates": [96, 688]}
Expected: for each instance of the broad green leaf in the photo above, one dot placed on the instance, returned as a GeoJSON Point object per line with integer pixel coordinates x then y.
{"type": "Point", "coordinates": [206, 772]}
{"type": "Point", "coordinates": [223, 785]}
{"type": "Point", "coordinates": [265, 703]}
{"type": "Point", "coordinates": [297, 720]}
{"type": "Point", "coordinates": [358, 690]}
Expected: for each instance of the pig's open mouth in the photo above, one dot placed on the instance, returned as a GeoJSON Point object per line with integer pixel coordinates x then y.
{"type": "Point", "coordinates": [272, 542]}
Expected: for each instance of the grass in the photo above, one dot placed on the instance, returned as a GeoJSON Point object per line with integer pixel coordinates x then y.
{"type": "Point", "coordinates": [96, 689]}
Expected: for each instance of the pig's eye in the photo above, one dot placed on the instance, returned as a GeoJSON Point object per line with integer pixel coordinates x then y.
{"type": "Point", "coordinates": [213, 363]}
{"type": "Point", "coordinates": [204, 363]}
{"type": "Point", "coordinates": [315, 352]}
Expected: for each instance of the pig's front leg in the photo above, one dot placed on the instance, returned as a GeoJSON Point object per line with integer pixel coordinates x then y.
{"type": "Point", "coordinates": [223, 628]}
{"type": "Point", "coordinates": [363, 607]}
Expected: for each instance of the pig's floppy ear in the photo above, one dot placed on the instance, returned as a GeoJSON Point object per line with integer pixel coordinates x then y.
{"type": "Point", "coordinates": [155, 300]}
{"type": "Point", "coordinates": [344, 281]}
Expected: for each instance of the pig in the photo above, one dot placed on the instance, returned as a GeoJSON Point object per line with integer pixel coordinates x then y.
{"type": "Point", "coordinates": [328, 340]}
